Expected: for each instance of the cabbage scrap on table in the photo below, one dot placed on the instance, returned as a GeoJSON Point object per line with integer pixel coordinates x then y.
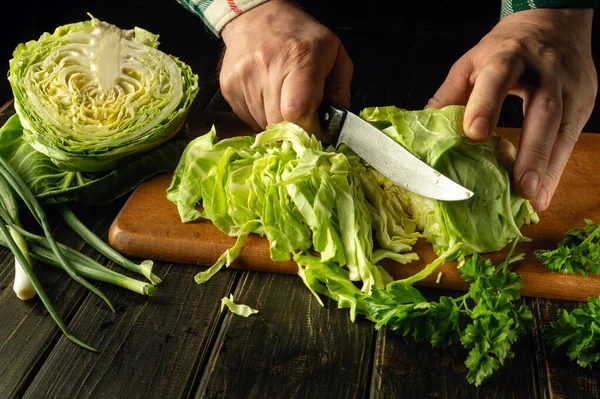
{"type": "Point", "coordinates": [337, 218]}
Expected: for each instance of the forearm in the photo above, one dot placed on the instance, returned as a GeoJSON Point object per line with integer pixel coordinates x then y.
{"type": "Point", "coordinates": [217, 13]}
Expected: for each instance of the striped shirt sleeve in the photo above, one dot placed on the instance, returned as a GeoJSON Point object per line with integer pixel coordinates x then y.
{"type": "Point", "coordinates": [512, 6]}
{"type": "Point", "coordinates": [216, 13]}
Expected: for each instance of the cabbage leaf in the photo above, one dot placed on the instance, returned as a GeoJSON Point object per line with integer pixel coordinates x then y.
{"type": "Point", "coordinates": [484, 223]}
{"type": "Point", "coordinates": [51, 184]}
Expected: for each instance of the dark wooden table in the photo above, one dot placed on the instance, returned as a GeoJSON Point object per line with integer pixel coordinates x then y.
{"type": "Point", "coordinates": [178, 343]}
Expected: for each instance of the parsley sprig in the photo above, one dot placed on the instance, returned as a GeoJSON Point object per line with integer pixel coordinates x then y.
{"type": "Point", "coordinates": [579, 331]}
{"type": "Point", "coordinates": [578, 252]}
{"type": "Point", "coordinates": [486, 320]}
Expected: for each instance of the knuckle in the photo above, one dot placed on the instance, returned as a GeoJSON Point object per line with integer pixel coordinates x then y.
{"type": "Point", "coordinates": [553, 173]}
{"type": "Point", "coordinates": [516, 46]}
{"type": "Point", "coordinates": [460, 73]}
{"type": "Point", "coordinates": [484, 103]}
{"type": "Point", "coordinates": [259, 59]}
{"type": "Point", "coordinates": [293, 111]}
{"type": "Point", "coordinates": [568, 135]}
{"type": "Point", "coordinates": [300, 49]}
{"type": "Point", "coordinates": [549, 104]}
{"type": "Point", "coordinates": [586, 109]}
{"type": "Point", "coordinates": [502, 64]}
{"type": "Point", "coordinates": [539, 155]}
{"type": "Point", "coordinates": [227, 86]}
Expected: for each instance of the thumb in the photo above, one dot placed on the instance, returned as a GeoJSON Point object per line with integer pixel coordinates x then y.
{"type": "Point", "coordinates": [456, 88]}
{"type": "Point", "coordinates": [301, 95]}
{"type": "Point", "coordinates": [337, 85]}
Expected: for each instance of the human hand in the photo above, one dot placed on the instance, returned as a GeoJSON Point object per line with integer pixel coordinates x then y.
{"type": "Point", "coordinates": [544, 57]}
{"type": "Point", "coordinates": [278, 64]}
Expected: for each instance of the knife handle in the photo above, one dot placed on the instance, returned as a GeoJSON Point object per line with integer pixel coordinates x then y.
{"type": "Point", "coordinates": [331, 117]}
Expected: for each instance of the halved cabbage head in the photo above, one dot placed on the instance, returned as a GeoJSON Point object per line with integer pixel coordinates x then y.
{"type": "Point", "coordinates": [90, 94]}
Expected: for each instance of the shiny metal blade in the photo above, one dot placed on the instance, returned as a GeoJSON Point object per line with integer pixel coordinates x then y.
{"type": "Point", "coordinates": [397, 163]}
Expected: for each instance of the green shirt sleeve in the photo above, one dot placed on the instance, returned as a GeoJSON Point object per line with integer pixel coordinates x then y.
{"type": "Point", "coordinates": [512, 6]}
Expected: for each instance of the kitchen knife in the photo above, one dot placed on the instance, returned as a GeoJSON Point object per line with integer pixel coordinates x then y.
{"type": "Point", "coordinates": [387, 156]}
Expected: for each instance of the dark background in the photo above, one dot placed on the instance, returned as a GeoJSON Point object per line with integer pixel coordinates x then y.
{"type": "Point", "coordinates": [415, 44]}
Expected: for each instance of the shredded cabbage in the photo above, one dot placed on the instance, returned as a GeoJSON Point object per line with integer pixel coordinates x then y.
{"type": "Point", "coordinates": [283, 185]}
{"type": "Point", "coordinates": [323, 207]}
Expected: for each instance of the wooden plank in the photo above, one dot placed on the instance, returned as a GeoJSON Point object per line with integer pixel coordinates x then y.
{"type": "Point", "coordinates": [27, 332]}
{"type": "Point", "coordinates": [148, 348]}
{"type": "Point", "coordinates": [405, 369]}
{"type": "Point", "coordinates": [149, 226]}
{"type": "Point", "coordinates": [292, 347]}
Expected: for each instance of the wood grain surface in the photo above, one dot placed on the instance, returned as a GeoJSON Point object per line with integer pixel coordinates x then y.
{"type": "Point", "coordinates": [148, 226]}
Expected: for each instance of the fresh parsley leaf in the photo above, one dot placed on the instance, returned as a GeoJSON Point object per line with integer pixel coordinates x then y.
{"type": "Point", "coordinates": [444, 318]}
{"type": "Point", "coordinates": [579, 331]}
{"type": "Point", "coordinates": [579, 252]}
{"type": "Point", "coordinates": [402, 293]}
{"type": "Point", "coordinates": [496, 323]}
{"type": "Point", "coordinates": [475, 268]}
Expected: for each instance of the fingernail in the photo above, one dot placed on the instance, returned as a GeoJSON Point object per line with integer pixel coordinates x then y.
{"type": "Point", "coordinates": [530, 182]}
{"type": "Point", "coordinates": [542, 199]}
{"type": "Point", "coordinates": [480, 128]}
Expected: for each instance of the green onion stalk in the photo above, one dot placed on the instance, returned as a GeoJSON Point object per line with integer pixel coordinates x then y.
{"type": "Point", "coordinates": [12, 245]}
{"type": "Point", "coordinates": [145, 268]}
{"type": "Point", "coordinates": [22, 285]}
{"type": "Point", "coordinates": [35, 208]}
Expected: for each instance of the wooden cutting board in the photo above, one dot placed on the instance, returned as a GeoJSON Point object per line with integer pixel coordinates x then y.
{"type": "Point", "coordinates": [149, 227]}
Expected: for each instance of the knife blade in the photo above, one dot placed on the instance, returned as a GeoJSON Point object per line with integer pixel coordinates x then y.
{"type": "Point", "coordinates": [387, 156]}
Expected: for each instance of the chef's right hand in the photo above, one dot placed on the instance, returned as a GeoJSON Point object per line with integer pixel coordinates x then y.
{"type": "Point", "coordinates": [278, 64]}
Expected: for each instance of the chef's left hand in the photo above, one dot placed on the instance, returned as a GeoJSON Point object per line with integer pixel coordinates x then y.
{"type": "Point", "coordinates": [543, 56]}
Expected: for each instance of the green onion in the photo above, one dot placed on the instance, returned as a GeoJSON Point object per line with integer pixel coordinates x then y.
{"type": "Point", "coordinates": [34, 206]}
{"type": "Point", "coordinates": [7, 238]}
{"type": "Point", "coordinates": [22, 285]}
{"type": "Point", "coordinates": [89, 268]}
{"type": "Point", "coordinates": [145, 268]}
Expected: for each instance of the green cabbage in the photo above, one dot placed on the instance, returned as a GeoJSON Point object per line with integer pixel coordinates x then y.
{"type": "Point", "coordinates": [486, 222]}
{"type": "Point", "coordinates": [323, 207]}
{"type": "Point", "coordinates": [91, 96]}
{"type": "Point", "coordinates": [283, 185]}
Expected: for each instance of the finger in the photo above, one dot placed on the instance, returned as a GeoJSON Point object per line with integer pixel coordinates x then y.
{"type": "Point", "coordinates": [456, 87]}
{"type": "Point", "coordinates": [540, 126]}
{"type": "Point", "coordinates": [253, 96]}
{"type": "Point", "coordinates": [337, 84]}
{"type": "Point", "coordinates": [240, 108]}
{"type": "Point", "coordinates": [567, 136]}
{"type": "Point", "coordinates": [301, 94]}
{"type": "Point", "coordinates": [272, 100]}
{"type": "Point", "coordinates": [230, 85]}
{"type": "Point", "coordinates": [499, 75]}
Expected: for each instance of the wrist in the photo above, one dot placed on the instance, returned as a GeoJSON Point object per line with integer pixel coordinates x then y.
{"type": "Point", "coordinates": [574, 21]}
{"type": "Point", "coordinates": [253, 15]}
